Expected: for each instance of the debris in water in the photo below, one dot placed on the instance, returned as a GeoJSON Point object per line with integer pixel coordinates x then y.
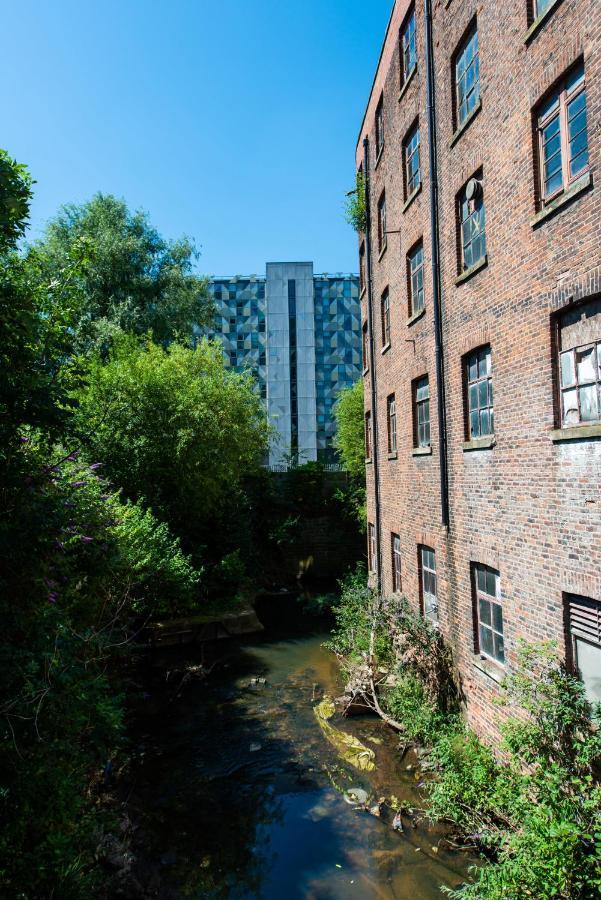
{"type": "Point", "coordinates": [254, 748]}
{"type": "Point", "coordinates": [397, 823]}
{"type": "Point", "coordinates": [350, 748]}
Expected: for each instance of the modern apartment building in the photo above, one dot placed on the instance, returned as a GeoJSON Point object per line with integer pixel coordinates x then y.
{"type": "Point", "coordinates": [481, 310]}
{"type": "Point", "coordinates": [299, 333]}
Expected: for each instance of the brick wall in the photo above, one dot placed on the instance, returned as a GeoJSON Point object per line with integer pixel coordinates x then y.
{"type": "Point", "coordinates": [529, 506]}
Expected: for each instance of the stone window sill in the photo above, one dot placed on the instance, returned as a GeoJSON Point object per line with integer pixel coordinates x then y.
{"type": "Point", "coordinates": [412, 197]}
{"type": "Point", "coordinates": [421, 451]}
{"type": "Point", "coordinates": [459, 131]}
{"type": "Point", "coordinates": [493, 669]}
{"type": "Point", "coordinates": [576, 433]}
{"type": "Point", "coordinates": [385, 348]}
{"type": "Point", "coordinates": [447, 3]}
{"type": "Point", "coordinates": [393, 455]}
{"type": "Point", "coordinates": [467, 274]}
{"type": "Point", "coordinates": [382, 251]}
{"type": "Point", "coordinates": [368, 462]}
{"type": "Point", "coordinates": [538, 23]}
{"type": "Point", "coordinates": [483, 443]}
{"type": "Point", "coordinates": [365, 371]}
{"type": "Point", "coordinates": [416, 316]}
{"type": "Point", "coordinates": [363, 292]}
{"type": "Point", "coordinates": [379, 157]}
{"type": "Point", "coordinates": [580, 185]}
{"type": "Point", "coordinates": [408, 81]}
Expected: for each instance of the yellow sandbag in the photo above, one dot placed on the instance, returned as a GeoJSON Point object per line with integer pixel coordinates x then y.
{"type": "Point", "coordinates": [349, 748]}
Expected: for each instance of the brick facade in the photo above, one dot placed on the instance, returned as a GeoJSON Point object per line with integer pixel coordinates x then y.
{"type": "Point", "coordinates": [528, 503]}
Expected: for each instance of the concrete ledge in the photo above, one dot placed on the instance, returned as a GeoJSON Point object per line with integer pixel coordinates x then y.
{"type": "Point", "coordinates": [576, 433]}
{"type": "Point", "coordinates": [379, 156]}
{"type": "Point", "coordinates": [581, 184]}
{"type": "Point", "coordinates": [472, 270]}
{"type": "Point", "coordinates": [408, 81]}
{"type": "Point", "coordinates": [385, 348]}
{"type": "Point", "coordinates": [416, 316]}
{"type": "Point", "coordinates": [393, 455]}
{"type": "Point", "coordinates": [412, 197]}
{"type": "Point", "coordinates": [483, 443]}
{"type": "Point", "coordinates": [459, 131]}
{"type": "Point", "coordinates": [382, 251]}
{"type": "Point", "coordinates": [490, 668]}
{"type": "Point", "coordinates": [421, 451]}
{"type": "Point", "coordinates": [538, 23]}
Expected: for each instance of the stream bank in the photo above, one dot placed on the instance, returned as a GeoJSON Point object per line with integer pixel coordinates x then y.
{"type": "Point", "coordinates": [239, 794]}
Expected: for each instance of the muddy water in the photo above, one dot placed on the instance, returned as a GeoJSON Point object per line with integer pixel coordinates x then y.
{"type": "Point", "coordinates": [244, 797]}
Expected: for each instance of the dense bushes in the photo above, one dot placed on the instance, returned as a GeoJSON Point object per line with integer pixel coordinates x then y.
{"type": "Point", "coordinates": [533, 805]}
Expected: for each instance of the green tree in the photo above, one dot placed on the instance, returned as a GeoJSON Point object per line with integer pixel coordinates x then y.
{"type": "Point", "coordinates": [135, 280]}
{"type": "Point", "coordinates": [172, 425]}
{"type": "Point", "coordinates": [350, 443]}
{"type": "Point", "coordinates": [15, 197]}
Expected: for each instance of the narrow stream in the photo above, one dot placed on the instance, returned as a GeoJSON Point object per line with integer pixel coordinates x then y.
{"type": "Point", "coordinates": [244, 797]}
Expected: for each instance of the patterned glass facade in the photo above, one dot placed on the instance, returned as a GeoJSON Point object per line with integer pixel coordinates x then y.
{"type": "Point", "coordinates": [242, 325]}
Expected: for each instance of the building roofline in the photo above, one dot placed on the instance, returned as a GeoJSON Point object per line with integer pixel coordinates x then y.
{"type": "Point", "coordinates": [373, 84]}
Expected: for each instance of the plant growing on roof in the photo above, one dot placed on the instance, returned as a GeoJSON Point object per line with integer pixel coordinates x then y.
{"type": "Point", "coordinates": [356, 207]}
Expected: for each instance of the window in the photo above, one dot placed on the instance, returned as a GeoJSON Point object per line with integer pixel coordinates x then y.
{"type": "Point", "coordinates": [408, 47]}
{"type": "Point", "coordinates": [368, 435]}
{"type": "Point", "coordinates": [382, 223]}
{"type": "Point", "coordinates": [411, 156]}
{"type": "Point", "coordinates": [371, 548]}
{"type": "Point", "coordinates": [391, 419]}
{"type": "Point", "coordinates": [541, 7]}
{"type": "Point", "coordinates": [489, 613]}
{"type": "Point", "coordinates": [562, 136]}
{"type": "Point", "coordinates": [380, 127]}
{"type": "Point", "coordinates": [472, 224]}
{"type": "Point", "coordinates": [467, 77]}
{"type": "Point", "coordinates": [427, 565]}
{"type": "Point", "coordinates": [480, 412]}
{"type": "Point", "coordinates": [262, 358]}
{"type": "Point", "coordinates": [421, 389]}
{"type": "Point", "coordinates": [584, 632]}
{"type": "Point", "coordinates": [385, 317]}
{"type": "Point", "coordinates": [365, 348]}
{"type": "Point", "coordinates": [396, 562]}
{"type": "Point", "coordinates": [362, 279]}
{"type": "Point", "coordinates": [415, 273]}
{"type": "Point", "coordinates": [580, 364]}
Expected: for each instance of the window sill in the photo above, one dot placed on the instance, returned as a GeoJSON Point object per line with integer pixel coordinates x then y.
{"type": "Point", "coordinates": [576, 433]}
{"type": "Point", "coordinates": [363, 293]}
{"type": "Point", "coordinates": [393, 455]}
{"type": "Point", "coordinates": [385, 348]}
{"type": "Point", "coordinates": [459, 131]}
{"type": "Point", "coordinates": [467, 274]}
{"type": "Point", "coordinates": [538, 23]}
{"type": "Point", "coordinates": [416, 317]}
{"type": "Point", "coordinates": [379, 157]}
{"type": "Point", "coordinates": [580, 185]}
{"type": "Point", "coordinates": [365, 371]}
{"type": "Point", "coordinates": [421, 451]}
{"type": "Point", "coordinates": [412, 197]}
{"type": "Point", "coordinates": [447, 3]}
{"type": "Point", "coordinates": [493, 669]}
{"type": "Point", "coordinates": [483, 443]}
{"type": "Point", "coordinates": [382, 251]}
{"type": "Point", "coordinates": [368, 462]}
{"type": "Point", "coordinates": [408, 81]}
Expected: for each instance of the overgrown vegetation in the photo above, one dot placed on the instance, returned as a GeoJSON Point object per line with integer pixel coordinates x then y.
{"type": "Point", "coordinates": [350, 443]}
{"type": "Point", "coordinates": [534, 805]}
{"type": "Point", "coordinates": [356, 207]}
{"type": "Point", "coordinates": [116, 445]}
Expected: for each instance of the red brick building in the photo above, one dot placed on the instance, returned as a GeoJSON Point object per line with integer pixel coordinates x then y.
{"type": "Point", "coordinates": [481, 146]}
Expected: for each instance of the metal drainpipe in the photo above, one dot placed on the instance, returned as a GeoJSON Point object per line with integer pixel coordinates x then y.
{"type": "Point", "coordinates": [372, 368]}
{"type": "Point", "coordinates": [436, 286]}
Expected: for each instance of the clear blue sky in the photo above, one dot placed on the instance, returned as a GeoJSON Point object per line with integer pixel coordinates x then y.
{"type": "Point", "coordinates": [232, 122]}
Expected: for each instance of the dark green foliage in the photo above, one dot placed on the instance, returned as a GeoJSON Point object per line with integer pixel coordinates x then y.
{"type": "Point", "coordinates": [15, 197]}
{"type": "Point", "coordinates": [134, 280]}
{"type": "Point", "coordinates": [356, 207]}
{"type": "Point", "coordinates": [356, 614]}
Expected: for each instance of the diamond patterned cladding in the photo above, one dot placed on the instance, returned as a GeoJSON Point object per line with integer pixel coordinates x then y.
{"type": "Point", "coordinates": [240, 325]}
{"type": "Point", "coordinates": [337, 347]}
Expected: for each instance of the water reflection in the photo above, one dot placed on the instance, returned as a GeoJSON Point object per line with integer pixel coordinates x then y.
{"type": "Point", "coordinates": [243, 793]}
